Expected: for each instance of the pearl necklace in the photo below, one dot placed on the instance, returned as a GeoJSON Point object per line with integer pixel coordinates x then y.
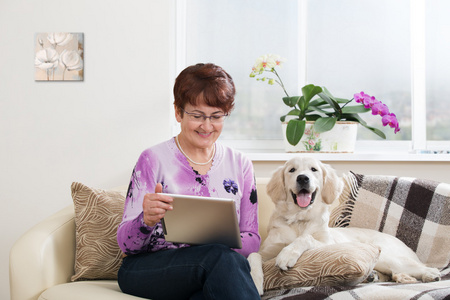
{"type": "Point", "coordinates": [190, 159]}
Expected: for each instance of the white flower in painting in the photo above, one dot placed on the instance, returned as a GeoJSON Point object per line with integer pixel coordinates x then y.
{"type": "Point", "coordinates": [46, 59]}
{"type": "Point", "coordinates": [59, 38]}
{"type": "Point", "coordinates": [71, 60]}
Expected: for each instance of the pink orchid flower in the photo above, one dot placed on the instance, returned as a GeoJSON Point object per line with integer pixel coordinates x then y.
{"type": "Point", "coordinates": [380, 108]}
{"type": "Point", "coordinates": [391, 120]}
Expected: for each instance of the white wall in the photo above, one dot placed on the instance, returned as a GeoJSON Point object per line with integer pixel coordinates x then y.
{"type": "Point", "coordinates": [53, 133]}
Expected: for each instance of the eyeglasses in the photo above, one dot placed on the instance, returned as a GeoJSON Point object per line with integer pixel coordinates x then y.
{"type": "Point", "coordinates": [200, 118]}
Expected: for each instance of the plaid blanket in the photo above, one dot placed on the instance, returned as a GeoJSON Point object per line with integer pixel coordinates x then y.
{"type": "Point", "coordinates": [414, 210]}
{"type": "Point", "coordinates": [439, 290]}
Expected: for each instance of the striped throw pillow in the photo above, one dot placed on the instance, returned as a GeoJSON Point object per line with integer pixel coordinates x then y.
{"type": "Point", "coordinates": [338, 264]}
{"type": "Point", "coordinates": [97, 216]}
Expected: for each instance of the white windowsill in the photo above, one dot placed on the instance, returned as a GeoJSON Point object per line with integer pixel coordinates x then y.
{"type": "Point", "coordinates": [361, 156]}
{"type": "Point", "coordinates": [399, 151]}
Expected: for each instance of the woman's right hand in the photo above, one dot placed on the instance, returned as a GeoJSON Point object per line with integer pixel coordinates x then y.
{"type": "Point", "coordinates": [155, 206]}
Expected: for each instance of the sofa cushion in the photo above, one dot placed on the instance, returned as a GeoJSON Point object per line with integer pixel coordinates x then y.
{"type": "Point", "coordinates": [97, 216]}
{"type": "Point", "coordinates": [414, 210]}
{"type": "Point", "coordinates": [338, 264]}
{"type": "Point", "coordinates": [86, 290]}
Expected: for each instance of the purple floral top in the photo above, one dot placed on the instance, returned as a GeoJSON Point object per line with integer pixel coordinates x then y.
{"type": "Point", "coordinates": [231, 176]}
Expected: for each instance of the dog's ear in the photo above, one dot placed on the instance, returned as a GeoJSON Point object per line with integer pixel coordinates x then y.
{"type": "Point", "coordinates": [332, 184]}
{"type": "Point", "coordinates": [275, 186]}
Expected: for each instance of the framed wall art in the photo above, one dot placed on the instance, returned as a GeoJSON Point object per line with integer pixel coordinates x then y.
{"type": "Point", "coordinates": [59, 56]}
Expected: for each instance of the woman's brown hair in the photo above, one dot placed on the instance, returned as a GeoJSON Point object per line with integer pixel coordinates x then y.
{"type": "Point", "coordinates": [204, 82]}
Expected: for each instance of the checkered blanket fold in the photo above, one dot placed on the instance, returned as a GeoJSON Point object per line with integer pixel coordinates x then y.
{"type": "Point", "coordinates": [439, 290]}
{"type": "Point", "coordinates": [414, 210]}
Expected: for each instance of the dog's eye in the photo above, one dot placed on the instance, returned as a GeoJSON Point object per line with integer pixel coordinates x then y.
{"type": "Point", "coordinates": [292, 170]}
{"type": "Point", "coordinates": [313, 169]}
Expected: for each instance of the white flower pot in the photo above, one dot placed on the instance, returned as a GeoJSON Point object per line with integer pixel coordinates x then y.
{"type": "Point", "coordinates": [341, 139]}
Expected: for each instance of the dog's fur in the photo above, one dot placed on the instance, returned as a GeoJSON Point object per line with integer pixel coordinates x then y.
{"type": "Point", "coordinates": [302, 191]}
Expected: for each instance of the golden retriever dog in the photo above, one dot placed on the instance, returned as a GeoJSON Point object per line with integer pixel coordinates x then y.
{"type": "Point", "coordinates": [302, 191]}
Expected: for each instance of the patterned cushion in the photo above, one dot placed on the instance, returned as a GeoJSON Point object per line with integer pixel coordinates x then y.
{"type": "Point", "coordinates": [414, 210]}
{"type": "Point", "coordinates": [97, 216]}
{"type": "Point", "coordinates": [338, 264]}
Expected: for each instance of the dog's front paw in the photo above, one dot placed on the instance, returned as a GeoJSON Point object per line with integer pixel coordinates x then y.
{"type": "Point", "coordinates": [432, 274]}
{"type": "Point", "coordinates": [287, 258]}
{"type": "Point", "coordinates": [403, 278]}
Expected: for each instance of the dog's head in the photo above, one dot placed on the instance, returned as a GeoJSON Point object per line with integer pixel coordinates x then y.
{"type": "Point", "coordinates": [304, 180]}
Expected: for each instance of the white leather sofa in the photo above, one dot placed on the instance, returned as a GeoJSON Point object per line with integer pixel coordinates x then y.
{"type": "Point", "coordinates": [42, 260]}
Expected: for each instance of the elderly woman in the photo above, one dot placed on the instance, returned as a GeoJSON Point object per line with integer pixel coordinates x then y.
{"type": "Point", "coordinates": [191, 163]}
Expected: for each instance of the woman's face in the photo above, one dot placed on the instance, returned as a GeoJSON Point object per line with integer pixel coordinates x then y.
{"type": "Point", "coordinates": [198, 132]}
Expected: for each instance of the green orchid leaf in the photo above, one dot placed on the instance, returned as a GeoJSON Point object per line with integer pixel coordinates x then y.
{"type": "Point", "coordinates": [294, 131]}
{"type": "Point", "coordinates": [309, 91]}
{"type": "Point", "coordinates": [331, 101]}
{"type": "Point", "coordinates": [294, 112]}
{"type": "Point", "coordinates": [302, 104]}
{"type": "Point", "coordinates": [357, 118]}
{"type": "Point", "coordinates": [312, 117]}
{"type": "Point", "coordinates": [317, 102]}
{"type": "Point", "coordinates": [324, 124]}
{"type": "Point", "coordinates": [327, 92]}
{"type": "Point", "coordinates": [318, 109]}
{"type": "Point", "coordinates": [341, 100]}
{"type": "Point", "coordinates": [354, 118]}
{"type": "Point", "coordinates": [376, 131]}
{"type": "Point", "coordinates": [320, 102]}
{"type": "Point", "coordinates": [291, 101]}
{"type": "Point", "coordinates": [355, 109]}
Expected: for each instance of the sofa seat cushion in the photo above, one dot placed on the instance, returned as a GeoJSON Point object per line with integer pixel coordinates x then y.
{"type": "Point", "coordinates": [87, 290]}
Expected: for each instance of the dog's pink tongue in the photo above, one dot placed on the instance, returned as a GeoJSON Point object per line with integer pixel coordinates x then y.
{"type": "Point", "coordinates": [303, 199]}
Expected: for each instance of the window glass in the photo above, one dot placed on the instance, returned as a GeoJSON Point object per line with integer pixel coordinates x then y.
{"type": "Point", "coordinates": [438, 69]}
{"type": "Point", "coordinates": [352, 46]}
{"type": "Point", "coordinates": [233, 34]}
{"type": "Point", "coordinates": [356, 46]}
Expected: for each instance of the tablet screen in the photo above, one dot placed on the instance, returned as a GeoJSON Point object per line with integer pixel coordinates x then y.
{"type": "Point", "coordinates": [202, 220]}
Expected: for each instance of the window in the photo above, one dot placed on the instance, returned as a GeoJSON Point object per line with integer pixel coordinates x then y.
{"type": "Point", "coordinates": [348, 46]}
{"type": "Point", "coordinates": [232, 34]}
{"type": "Point", "coordinates": [438, 69]}
{"type": "Point", "coordinates": [356, 46]}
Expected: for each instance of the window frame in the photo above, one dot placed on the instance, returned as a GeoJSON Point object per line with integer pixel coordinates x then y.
{"type": "Point", "coordinates": [384, 150]}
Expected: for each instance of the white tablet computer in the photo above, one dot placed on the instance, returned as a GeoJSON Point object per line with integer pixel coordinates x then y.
{"type": "Point", "coordinates": [202, 220]}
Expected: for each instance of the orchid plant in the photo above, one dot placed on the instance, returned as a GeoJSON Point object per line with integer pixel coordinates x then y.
{"type": "Point", "coordinates": [325, 110]}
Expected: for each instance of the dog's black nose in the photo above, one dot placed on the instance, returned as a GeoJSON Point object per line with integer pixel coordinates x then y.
{"type": "Point", "coordinates": [302, 179]}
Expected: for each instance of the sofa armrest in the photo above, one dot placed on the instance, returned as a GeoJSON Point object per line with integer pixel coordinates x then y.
{"type": "Point", "coordinates": [44, 256]}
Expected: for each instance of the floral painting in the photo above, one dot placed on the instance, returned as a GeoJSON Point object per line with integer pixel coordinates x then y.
{"type": "Point", "coordinates": [59, 56]}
